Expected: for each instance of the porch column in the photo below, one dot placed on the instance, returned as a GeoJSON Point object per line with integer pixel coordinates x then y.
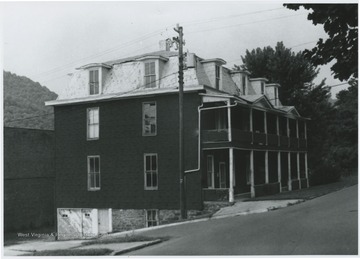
{"type": "Point", "coordinates": [231, 174]}
{"type": "Point", "coordinates": [266, 166]}
{"type": "Point", "coordinates": [229, 120]}
{"type": "Point", "coordinates": [288, 129]}
{"type": "Point", "coordinates": [305, 133]}
{"type": "Point", "coordinates": [279, 168]}
{"type": "Point", "coordinates": [298, 168]}
{"type": "Point", "coordinates": [265, 128]}
{"type": "Point", "coordinates": [278, 129]}
{"type": "Point", "coordinates": [306, 169]}
{"type": "Point", "coordinates": [252, 174]}
{"type": "Point", "coordinates": [289, 171]}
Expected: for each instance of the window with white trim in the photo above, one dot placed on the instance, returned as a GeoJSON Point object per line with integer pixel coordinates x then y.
{"type": "Point", "coordinates": [93, 173]}
{"type": "Point", "coordinates": [94, 83]}
{"type": "Point", "coordinates": [262, 87]}
{"type": "Point", "coordinates": [93, 123]}
{"type": "Point", "coordinates": [151, 171]}
{"type": "Point", "coordinates": [217, 77]}
{"type": "Point", "coordinates": [150, 74]}
{"type": "Point", "coordinates": [149, 119]}
{"type": "Point", "coordinates": [152, 218]}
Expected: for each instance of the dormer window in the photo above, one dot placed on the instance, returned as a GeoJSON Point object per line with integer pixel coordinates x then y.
{"type": "Point", "coordinates": [94, 84]}
{"type": "Point", "coordinates": [217, 77]}
{"type": "Point", "coordinates": [150, 75]}
{"type": "Point", "coordinates": [262, 87]}
{"type": "Point", "coordinates": [244, 85]}
{"type": "Point", "coordinates": [276, 95]}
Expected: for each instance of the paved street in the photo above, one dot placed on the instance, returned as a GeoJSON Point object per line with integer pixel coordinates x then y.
{"type": "Point", "coordinates": [323, 226]}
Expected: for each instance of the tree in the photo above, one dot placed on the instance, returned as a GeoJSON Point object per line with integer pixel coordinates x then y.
{"type": "Point", "coordinates": [344, 130]}
{"type": "Point", "coordinates": [341, 24]}
{"type": "Point", "coordinates": [280, 65]}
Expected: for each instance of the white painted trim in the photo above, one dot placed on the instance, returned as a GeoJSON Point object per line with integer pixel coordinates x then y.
{"type": "Point", "coordinates": [143, 119]}
{"type": "Point", "coordinates": [87, 123]}
{"type": "Point", "coordinates": [157, 173]}
{"type": "Point", "coordinates": [124, 95]}
{"type": "Point", "coordinates": [252, 183]}
{"type": "Point", "coordinates": [279, 168]}
{"type": "Point", "coordinates": [88, 173]}
{"type": "Point", "coordinates": [231, 175]}
{"type": "Point", "coordinates": [289, 171]}
{"type": "Point", "coordinates": [110, 220]}
{"type": "Point", "coordinates": [229, 121]}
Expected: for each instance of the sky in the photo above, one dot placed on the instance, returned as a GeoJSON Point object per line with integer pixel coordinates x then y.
{"type": "Point", "coordinates": [46, 41]}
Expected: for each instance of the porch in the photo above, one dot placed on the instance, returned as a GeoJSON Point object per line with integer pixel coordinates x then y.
{"type": "Point", "coordinates": [230, 172]}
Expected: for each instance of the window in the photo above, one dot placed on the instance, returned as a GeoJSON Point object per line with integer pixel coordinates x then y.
{"type": "Point", "coordinates": [150, 75]}
{"type": "Point", "coordinates": [151, 171]}
{"type": "Point", "coordinates": [149, 119]}
{"type": "Point", "coordinates": [217, 77]}
{"type": "Point", "coordinates": [93, 123]}
{"type": "Point", "coordinates": [152, 218]}
{"type": "Point", "coordinates": [210, 171]}
{"type": "Point", "coordinates": [244, 85]}
{"type": "Point", "coordinates": [93, 173]}
{"type": "Point", "coordinates": [94, 82]}
{"type": "Point", "coordinates": [262, 87]}
{"type": "Point", "coordinates": [276, 95]}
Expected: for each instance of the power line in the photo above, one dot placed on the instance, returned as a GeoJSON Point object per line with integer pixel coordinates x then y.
{"type": "Point", "coordinates": [236, 25]}
{"type": "Point", "coordinates": [228, 17]}
{"type": "Point", "coordinates": [149, 35]}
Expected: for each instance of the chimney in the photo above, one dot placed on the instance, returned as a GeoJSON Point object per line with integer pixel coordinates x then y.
{"type": "Point", "coordinates": [164, 45]}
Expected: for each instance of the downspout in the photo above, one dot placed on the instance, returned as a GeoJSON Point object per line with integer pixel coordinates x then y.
{"type": "Point", "coordinates": [199, 138]}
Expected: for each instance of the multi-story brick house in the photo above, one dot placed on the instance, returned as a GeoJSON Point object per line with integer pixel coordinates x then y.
{"type": "Point", "coordinates": [116, 127]}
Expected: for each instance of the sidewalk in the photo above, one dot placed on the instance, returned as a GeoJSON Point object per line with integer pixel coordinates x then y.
{"type": "Point", "coordinates": [240, 207]}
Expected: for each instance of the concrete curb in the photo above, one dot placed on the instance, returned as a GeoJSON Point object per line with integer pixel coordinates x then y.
{"type": "Point", "coordinates": [154, 242]}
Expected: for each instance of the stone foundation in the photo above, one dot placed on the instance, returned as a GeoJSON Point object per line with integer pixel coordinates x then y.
{"type": "Point", "coordinates": [128, 219]}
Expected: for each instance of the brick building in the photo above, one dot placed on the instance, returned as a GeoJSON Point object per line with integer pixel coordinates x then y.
{"type": "Point", "coordinates": [29, 178]}
{"type": "Point", "coordinates": [116, 127]}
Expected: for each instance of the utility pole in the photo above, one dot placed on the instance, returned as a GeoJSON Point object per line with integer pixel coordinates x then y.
{"type": "Point", "coordinates": [180, 42]}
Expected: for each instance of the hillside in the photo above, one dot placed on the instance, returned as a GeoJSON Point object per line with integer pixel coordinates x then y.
{"type": "Point", "coordinates": [24, 103]}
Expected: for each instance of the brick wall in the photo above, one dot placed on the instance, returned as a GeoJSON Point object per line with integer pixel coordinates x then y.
{"type": "Point", "coordinates": [28, 178]}
{"type": "Point", "coordinates": [121, 147]}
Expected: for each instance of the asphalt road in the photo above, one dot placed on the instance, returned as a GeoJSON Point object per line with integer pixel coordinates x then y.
{"type": "Point", "coordinates": [327, 225]}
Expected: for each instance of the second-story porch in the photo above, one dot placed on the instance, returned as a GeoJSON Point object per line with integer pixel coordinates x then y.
{"type": "Point", "coordinates": [245, 125]}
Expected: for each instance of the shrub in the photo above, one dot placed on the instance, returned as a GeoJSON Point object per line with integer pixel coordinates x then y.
{"type": "Point", "coordinates": [324, 174]}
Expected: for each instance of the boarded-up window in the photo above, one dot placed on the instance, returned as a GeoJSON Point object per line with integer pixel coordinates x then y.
{"type": "Point", "coordinates": [149, 119]}
{"type": "Point", "coordinates": [94, 82]}
{"type": "Point", "coordinates": [93, 123]}
{"type": "Point", "coordinates": [93, 172]}
{"type": "Point", "coordinates": [151, 171]}
{"type": "Point", "coordinates": [150, 75]}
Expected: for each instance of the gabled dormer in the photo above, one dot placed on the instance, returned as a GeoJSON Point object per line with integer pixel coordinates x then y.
{"type": "Point", "coordinates": [258, 85]}
{"type": "Point", "coordinates": [272, 93]}
{"type": "Point", "coordinates": [151, 70]}
{"type": "Point", "coordinates": [96, 73]}
{"type": "Point", "coordinates": [241, 79]}
{"type": "Point", "coordinates": [214, 71]}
